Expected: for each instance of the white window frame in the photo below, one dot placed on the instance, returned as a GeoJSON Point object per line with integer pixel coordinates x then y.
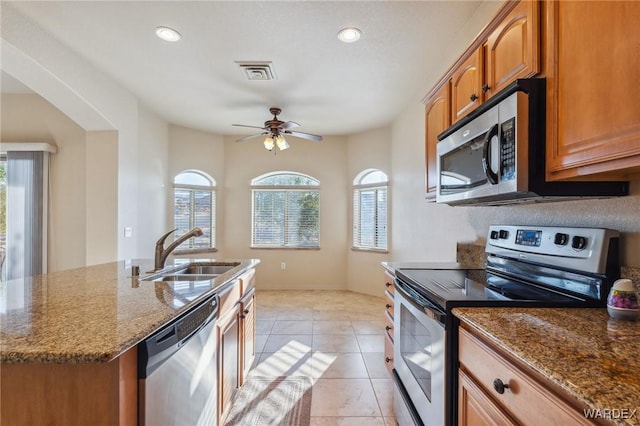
{"type": "Point", "coordinates": [192, 243]}
{"type": "Point", "coordinates": [258, 186]}
{"type": "Point", "coordinates": [364, 184]}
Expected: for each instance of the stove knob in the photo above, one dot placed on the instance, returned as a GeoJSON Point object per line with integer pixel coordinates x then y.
{"type": "Point", "coordinates": [503, 234]}
{"type": "Point", "coordinates": [579, 243]}
{"type": "Point", "coordinates": [494, 235]}
{"type": "Point", "coordinates": [561, 239]}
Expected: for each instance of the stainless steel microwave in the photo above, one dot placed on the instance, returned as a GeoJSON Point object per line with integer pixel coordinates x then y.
{"type": "Point", "coordinates": [496, 155]}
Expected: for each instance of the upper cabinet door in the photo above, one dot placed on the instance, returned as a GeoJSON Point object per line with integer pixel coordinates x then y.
{"type": "Point", "coordinates": [437, 120]}
{"type": "Point", "coordinates": [593, 89]}
{"type": "Point", "coordinates": [466, 86]}
{"type": "Point", "coordinates": [512, 49]}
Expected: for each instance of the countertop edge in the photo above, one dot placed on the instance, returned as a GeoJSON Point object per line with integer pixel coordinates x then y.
{"type": "Point", "coordinates": [94, 357]}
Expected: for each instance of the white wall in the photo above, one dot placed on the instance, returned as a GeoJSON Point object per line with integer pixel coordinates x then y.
{"type": "Point", "coordinates": [366, 150]}
{"type": "Point", "coordinates": [152, 180]}
{"type": "Point", "coordinates": [96, 103]}
{"type": "Point", "coordinates": [322, 269]}
{"type": "Point", "coordinates": [101, 189]}
{"type": "Point", "coordinates": [191, 149]}
{"type": "Point", "coordinates": [29, 118]}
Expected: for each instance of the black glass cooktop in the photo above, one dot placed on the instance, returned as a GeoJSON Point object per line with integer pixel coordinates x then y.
{"type": "Point", "coordinates": [449, 288]}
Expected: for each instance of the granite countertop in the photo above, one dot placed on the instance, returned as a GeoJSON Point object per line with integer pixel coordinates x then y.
{"type": "Point", "coordinates": [585, 352]}
{"type": "Point", "coordinates": [94, 314]}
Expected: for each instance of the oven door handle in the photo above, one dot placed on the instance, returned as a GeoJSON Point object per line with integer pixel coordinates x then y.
{"type": "Point", "coordinates": [419, 302]}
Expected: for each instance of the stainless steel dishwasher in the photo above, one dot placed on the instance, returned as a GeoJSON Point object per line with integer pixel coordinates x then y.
{"type": "Point", "coordinates": [177, 371]}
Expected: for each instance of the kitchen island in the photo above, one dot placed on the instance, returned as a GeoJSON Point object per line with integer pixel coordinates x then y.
{"type": "Point", "coordinates": [583, 355]}
{"type": "Point", "coordinates": [68, 339]}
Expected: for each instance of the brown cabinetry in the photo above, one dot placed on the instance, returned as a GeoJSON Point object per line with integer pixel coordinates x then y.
{"type": "Point", "coordinates": [512, 50]}
{"type": "Point", "coordinates": [495, 389]}
{"type": "Point", "coordinates": [248, 333]}
{"type": "Point", "coordinates": [507, 49]}
{"type": "Point", "coordinates": [228, 338]}
{"type": "Point", "coordinates": [466, 86]}
{"type": "Point", "coordinates": [388, 320]}
{"type": "Point", "coordinates": [593, 89]}
{"type": "Point", "coordinates": [236, 338]}
{"type": "Point", "coordinates": [228, 358]}
{"type": "Point", "coordinates": [71, 394]}
{"type": "Point", "coordinates": [437, 120]}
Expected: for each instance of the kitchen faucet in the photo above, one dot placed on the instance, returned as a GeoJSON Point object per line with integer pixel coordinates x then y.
{"type": "Point", "coordinates": [162, 253]}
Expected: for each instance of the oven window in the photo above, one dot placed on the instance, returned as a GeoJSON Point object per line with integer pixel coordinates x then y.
{"type": "Point", "coordinates": [416, 349]}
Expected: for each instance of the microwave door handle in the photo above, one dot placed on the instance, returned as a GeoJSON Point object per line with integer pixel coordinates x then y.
{"type": "Point", "coordinates": [492, 176]}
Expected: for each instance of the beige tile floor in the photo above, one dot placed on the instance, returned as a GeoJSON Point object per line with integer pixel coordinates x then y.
{"type": "Point", "coordinates": [337, 339]}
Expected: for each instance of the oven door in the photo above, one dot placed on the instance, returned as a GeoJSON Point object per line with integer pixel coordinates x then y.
{"type": "Point", "coordinates": [419, 358]}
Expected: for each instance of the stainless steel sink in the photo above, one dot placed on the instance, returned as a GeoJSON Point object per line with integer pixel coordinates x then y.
{"type": "Point", "coordinates": [196, 271]}
{"type": "Point", "coordinates": [187, 277]}
{"type": "Point", "coordinates": [207, 268]}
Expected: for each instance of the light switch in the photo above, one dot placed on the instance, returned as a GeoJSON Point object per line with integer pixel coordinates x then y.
{"type": "Point", "coordinates": [128, 232]}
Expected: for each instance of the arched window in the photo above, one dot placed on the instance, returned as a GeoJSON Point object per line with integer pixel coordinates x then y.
{"type": "Point", "coordinates": [370, 189]}
{"type": "Point", "coordinates": [194, 205]}
{"type": "Point", "coordinates": [285, 211]}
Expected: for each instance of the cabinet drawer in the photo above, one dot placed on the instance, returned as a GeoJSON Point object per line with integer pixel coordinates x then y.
{"type": "Point", "coordinates": [388, 325]}
{"type": "Point", "coordinates": [229, 297]}
{"type": "Point", "coordinates": [247, 281]}
{"type": "Point", "coordinates": [525, 399]}
{"type": "Point", "coordinates": [388, 303]}
{"type": "Point", "coordinates": [388, 283]}
{"type": "Point", "coordinates": [388, 353]}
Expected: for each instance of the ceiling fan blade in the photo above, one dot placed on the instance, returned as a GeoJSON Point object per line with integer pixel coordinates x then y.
{"type": "Point", "coordinates": [251, 137]}
{"type": "Point", "coordinates": [244, 125]}
{"type": "Point", "coordinates": [289, 125]}
{"type": "Point", "coordinates": [302, 135]}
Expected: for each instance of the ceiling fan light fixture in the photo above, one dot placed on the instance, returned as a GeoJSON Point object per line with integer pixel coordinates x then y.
{"type": "Point", "coordinates": [282, 143]}
{"type": "Point", "coordinates": [167, 34]}
{"type": "Point", "coordinates": [349, 34]}
{"type": "Point", "coordinates": [268, 143]}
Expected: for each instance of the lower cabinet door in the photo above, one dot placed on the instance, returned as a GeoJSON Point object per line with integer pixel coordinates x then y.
{"type": "Point", "coordinates": [228, 357]}
{"type": "Point", "coordinates": [248, 332]}
{"type": "Point", "coordinates": [475, 408]}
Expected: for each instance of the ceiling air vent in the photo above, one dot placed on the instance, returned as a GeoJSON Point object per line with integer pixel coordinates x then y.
{"type": "Point", "coordinates": [257, 70]}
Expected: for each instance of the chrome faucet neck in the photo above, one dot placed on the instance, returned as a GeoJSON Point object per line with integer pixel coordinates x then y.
{"type": "Point", "coordinates": [162, 253]}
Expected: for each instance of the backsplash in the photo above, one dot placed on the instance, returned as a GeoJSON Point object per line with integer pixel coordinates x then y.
{"type": "Point", "coordinates": [471, 255]}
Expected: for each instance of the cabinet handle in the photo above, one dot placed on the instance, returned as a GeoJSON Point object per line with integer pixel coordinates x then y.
{"type": "Point", "coordinates": [246, 311]}
{"type": "Point", "coordinates": [500, 386]}
{"type": "Point", "coordinates": [387, 327]}
{"type": "Point", "coordinates": [387, 284]}
{"type": "Point", "coordinates": [473, 97]}
{"type": "Point", "coordinates": [485, 88]}
{"type": "Point", "coordinates": [388, 306]}
{"type": "Point", "coordinates": [388, 360]}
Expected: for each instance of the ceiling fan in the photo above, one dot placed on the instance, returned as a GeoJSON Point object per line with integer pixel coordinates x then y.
{"type": "Point", "coordinates": [275, 130]}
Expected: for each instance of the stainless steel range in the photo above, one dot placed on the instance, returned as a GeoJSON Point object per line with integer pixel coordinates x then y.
{"type": "Point", "coordinates": [526, 266]}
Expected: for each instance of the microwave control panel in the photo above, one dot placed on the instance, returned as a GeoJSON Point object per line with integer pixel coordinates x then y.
{"type": "Point", "coordinates": [508, 150]}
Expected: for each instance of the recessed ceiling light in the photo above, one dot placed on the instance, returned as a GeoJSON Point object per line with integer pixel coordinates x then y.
{"type": "Point", "coordinates": [349, 35]}
{"type": "Point", "coordinates": [167, 34]}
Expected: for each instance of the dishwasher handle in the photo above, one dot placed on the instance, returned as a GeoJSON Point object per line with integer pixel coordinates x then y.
{"type": "Point", "coordinates": [159, 347]}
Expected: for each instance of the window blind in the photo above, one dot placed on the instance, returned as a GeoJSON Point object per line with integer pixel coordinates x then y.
{"type": "Point", "coordinates": [370, 218]}
{"type": "Point", "coordinates": [285, 218]}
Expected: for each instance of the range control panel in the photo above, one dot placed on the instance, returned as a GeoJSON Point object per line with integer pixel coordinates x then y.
{"type": "Point", "coordinates": [576, 248]}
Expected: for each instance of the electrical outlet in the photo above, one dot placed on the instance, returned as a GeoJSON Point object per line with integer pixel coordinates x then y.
{"type": "Point", "coordinates": [128, 232]}
{"type": "Point", "coordinates": [283, 265]}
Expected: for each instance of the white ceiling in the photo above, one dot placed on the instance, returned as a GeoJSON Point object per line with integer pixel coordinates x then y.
{"type": "Point", "coordinates": [329, 87]}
